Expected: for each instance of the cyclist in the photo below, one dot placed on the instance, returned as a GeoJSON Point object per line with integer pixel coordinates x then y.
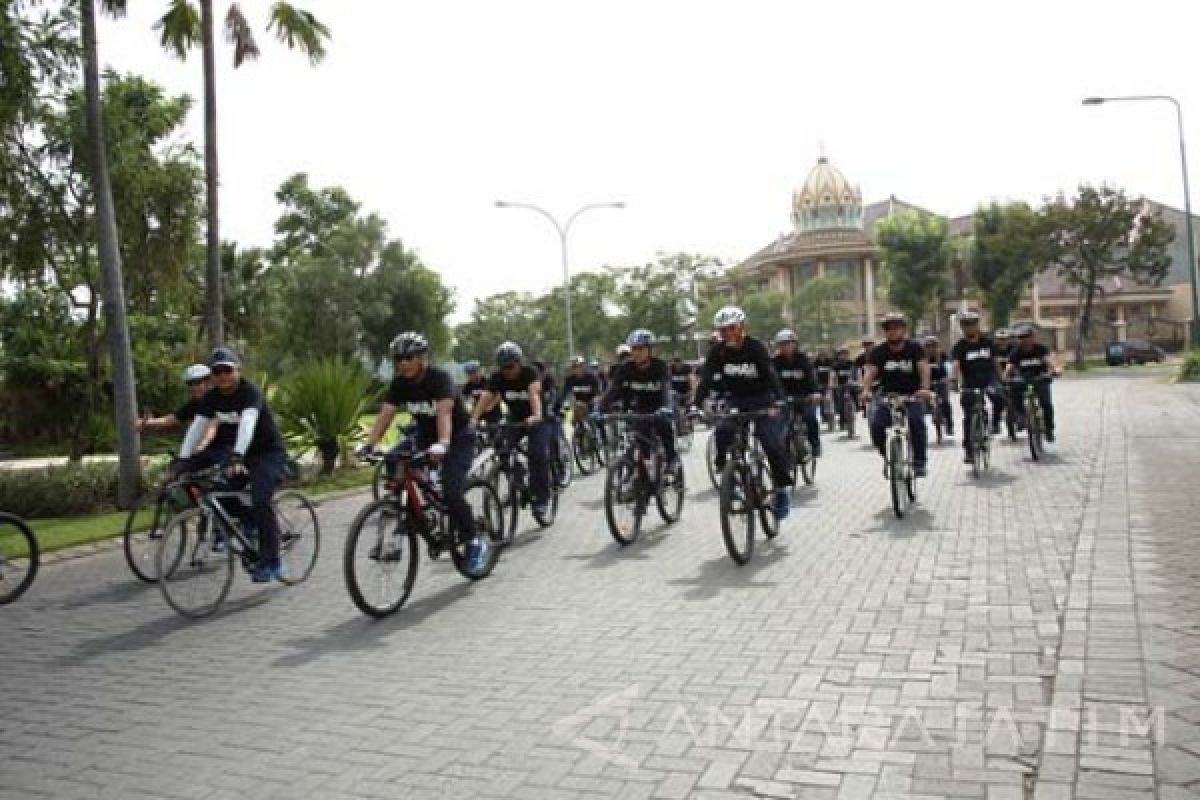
{"type": "Point", "coordinates": [580, 389]}
{"type": "Point", "coordinates": [844, 374]}
{"type": "Point", "coordinates": [683, 380]}
{"type": "Point", "coordinates": [237, 409]}
{"type": "Point", "coordinates": [799, 380]}
{"type": "Point", "coordinates": [623, 351]}
{"type": "Point", "coordinates": [1029, 360]}
{"type": "Point", "coordinates": [473, 389]}
{"type": "Point", "coordinates": [975, 365]}
{"type": "Point", "coordinates": [940, 379]}
{"type": "Point", "coordinates": [747, 378]}
{"type": "Point", "coordinates": [860, 368]}
{"type": "Point", "coordinates": [900, 366]}
{"type": "Point", "coordinates": [643, 385]}
{"type": "Point", "coordinates": [1004, 344]}
{"type": "Point", "coordinates": [197, 379]}
{"type": "Point", "coordinates": [823, 364]}
{"type": "Point", "coordinates": [520, 388]}
{"type": "Point", "coordinates": [428, 394]}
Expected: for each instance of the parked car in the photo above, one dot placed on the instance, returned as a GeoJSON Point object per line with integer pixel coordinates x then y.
{"type": "Point", "coordinates": [1133, 351]}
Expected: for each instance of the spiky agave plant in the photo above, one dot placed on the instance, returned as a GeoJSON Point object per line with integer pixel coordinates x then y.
{"type": "Point", "coordinates": [319, 405]}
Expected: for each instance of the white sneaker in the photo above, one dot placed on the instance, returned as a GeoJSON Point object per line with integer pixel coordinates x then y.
{"type": "Point", "coordinates": [949, 437]}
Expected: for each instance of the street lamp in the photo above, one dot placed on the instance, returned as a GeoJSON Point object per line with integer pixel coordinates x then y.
{"type": "Point", "coordinates": [1187, 196]}
{"type": "Point", "coordinates": [563, 230]}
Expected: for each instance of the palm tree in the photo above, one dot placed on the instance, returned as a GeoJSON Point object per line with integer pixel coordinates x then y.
{"type": "Point", "coordinates": [182, 27]}
{"type": "Point", "coordinates": [124, 386]}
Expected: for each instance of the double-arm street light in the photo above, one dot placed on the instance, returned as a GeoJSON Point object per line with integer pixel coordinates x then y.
{"type": "Point", "coordinates": [1187, 196]}
{"type": "Point", "coordinates": [563, 230]}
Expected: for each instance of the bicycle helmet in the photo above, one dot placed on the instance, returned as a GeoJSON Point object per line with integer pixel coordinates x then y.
{"type": "Point", "coordinates": [640, 338]}
{"type": "Point", "coordinates": [786, 335]}
{"type": "Point", "coordinates": [409, 343]}
{"type": "Point", "coordinates": [931, 339]}
{"type": "Point", "coordinates": [892, 318]}
{"type": "Point", "coordinates": [729, 315]}
{"type": "Point", "coordinates": [196, 373]}
{"type": "Point", "coordinates": [594, 364]}
{"type": "Point", "coordinates": [471, 367]}
{"type": "Point", "coordinates": [968, 317]}
{"type": "Point", "coordinates": [1003, 333]}
{"type": "Point", "coordinates": [508, 353]}
{"type": "Point", "coordinates": [224, 357]}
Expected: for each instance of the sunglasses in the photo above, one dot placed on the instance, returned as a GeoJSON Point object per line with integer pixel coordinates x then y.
{"type": "Point", "coordinates": [197, 382]}
{"type": "Point", "coordinates": [406, 357]}
{"type": "Point", "coordinates": [223, 369]}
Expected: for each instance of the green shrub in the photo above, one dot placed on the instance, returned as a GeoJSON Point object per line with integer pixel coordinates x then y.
{"type": "Point", "coordinates": [1189, 369]}
{"type": "Point", "coordinates": [58, 491]}
{"type": "Point", "coordinates": [320, 404]}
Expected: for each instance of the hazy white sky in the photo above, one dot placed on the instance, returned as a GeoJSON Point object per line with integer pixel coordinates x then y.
{"type": "Point", "coordinates": [702, 116]}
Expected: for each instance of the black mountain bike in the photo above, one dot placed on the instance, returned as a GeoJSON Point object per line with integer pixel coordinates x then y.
{"type": "Point", "coordinates": [1035, 422]}
{"type": "Point", "coordinates": [18, 557]}
{"type": "Point", "coordinates": [804, 463]}
{"type": "Point", "coordinates": [746, 488]}
{"type": "Point", "coordinates": [939, 421]}
{"type": "Point", "coordinates": [199, 546]}
{"type": "Point", "coordinates": [590, 454]}
{"type": "Point", "coordinates": [637, 475]}
{"type": "Point", "coordinates": [978, 431]}
{"type": "Point", "coordinates": [899, 468]}
{"type": "Point", "coordinates": [507, 470]}
{"type": "Point", "coordinates": [849, 408]}
{"type": "Point", "coordinates": [381, 553]}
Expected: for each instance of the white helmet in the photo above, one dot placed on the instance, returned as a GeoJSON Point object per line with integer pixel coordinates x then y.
{"type": "Point", "coordinates": [729, 315]}
{"type": "Point", "coordinates": [623, 349]}
{"type": "Point", "coordinates": [786, 335]}
{"type": "Point", "coordinates": [195, 373]}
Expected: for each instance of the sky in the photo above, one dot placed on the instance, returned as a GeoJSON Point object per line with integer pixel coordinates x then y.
{"type": "Point", "coordinates": [702, 117]}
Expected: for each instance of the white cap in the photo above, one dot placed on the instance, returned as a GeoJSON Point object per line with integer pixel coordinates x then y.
{"type": "Point", "coordinates": [196, 372]}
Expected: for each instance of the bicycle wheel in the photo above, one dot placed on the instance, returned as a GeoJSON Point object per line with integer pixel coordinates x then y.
{"type": "Point", "coordinates": [143, 533]}
{"type": "Point", "coordinates": [827, 414]}
{"type": "Point", "coordinates": [379, 562]}
{"type": "Point", "coordinates": [565, 461]}
{"type": "Point", "coordinates": [501, 480]}
{"type": "Point", "coordinates": [624, 500]}
{"type": "Point", "coordinates": [194, 578]}
{"type": "Point", "coordinates": [806, 465]}
{"type": "Point", "coordinates": [18, 557]}
{"type": "Point", "coordinates": [671, 490]}
{"type": "Point", "coordinates": [546, 518]}
{"type": "Point", "coordinates": [1033, 424]}
{"type": "Point", "coordinates": [851, 415]}
{"type": "Point", "coordinates": [737, 511]}
{"type": "Point", "coordinates": [764, 495]}
{"type": "Point", "coordinates": [584, 448]}
{"type": "Point", "coordinates": [378, 479]}
{"type": "Point", "coordinates": [683, 442]}
{"type": "Point", "coordinates": [488, 514]}
{"type": "Point", "coordinates": [910, 473]}
{"type": "Point", "coordinates": [299, 535]}
{"type": "Point", "coordinates": [896, 477]}
{"type": "Point", "coordinates": [710, 460]}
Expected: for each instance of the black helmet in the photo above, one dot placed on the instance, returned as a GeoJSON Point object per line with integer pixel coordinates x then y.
{"type": "Point", "coordinates": [892, 318]}
{"type": "Point", "coordinates": [508, 353]}
{"type": "Point", "coordinates": [640, 338]}
{"type": "Point", "coordinates": [409, 343]}
{"type": "Point", "coordinates": [224, 357]}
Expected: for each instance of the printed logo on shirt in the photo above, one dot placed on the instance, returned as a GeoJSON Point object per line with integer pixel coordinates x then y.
{"type": "Point", "coordinates": [983, 352]}
{"type": "Point", "coordinates": [791, 374]}
{"type": "Point", "coordinates": [653, 386]}
{"type": "Point", "coordinates": [421, 407]}
{"type": "Point", "coordinates": [1032, 362]}
{"type": "Point", "coordinates": [229, 417]}
{"type": "Point", "coordinates": [741, 370]}
{"type": "Point", "coordinates": [898, 366]}
{"type": "Point", "coordinates": [513, 394]}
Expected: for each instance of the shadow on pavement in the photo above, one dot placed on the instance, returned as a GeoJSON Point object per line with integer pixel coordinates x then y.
{"type": "Point", "coordinates": [615, 554]}
{"type": "Point", "coordinates": [988, 480]}
{"type": "Point", "coordinates": [721, 573]}
{"type": "Point", "coordinates": [916, 520]}
{"type": "Point", "coordinates": [361, 632]}
{"type": "Point", "coordinates": [132, 589]}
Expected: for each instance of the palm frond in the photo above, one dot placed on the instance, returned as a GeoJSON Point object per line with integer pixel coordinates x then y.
{"type": "Point", "coordinates": [114, 8]}
{"type": "Point", "coordinates": [239, 33]}
{"type": "Point", "coordinates": [180, 28]}
{"type": "Point", "coordinates": [298, 28]}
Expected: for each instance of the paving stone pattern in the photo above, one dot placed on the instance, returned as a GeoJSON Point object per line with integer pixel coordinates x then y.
{"type": "Point", "coordinates": [1015, 637]}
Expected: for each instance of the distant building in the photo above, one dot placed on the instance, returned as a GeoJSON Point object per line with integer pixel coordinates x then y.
{"type": "Point", "coordinates": [833, 234]}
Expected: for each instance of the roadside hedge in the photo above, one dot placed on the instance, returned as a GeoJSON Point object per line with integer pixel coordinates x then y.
{"type": "Point", "coordinates": [58, 491]}
{"type": "Point", "coordinates": [1189, 370]}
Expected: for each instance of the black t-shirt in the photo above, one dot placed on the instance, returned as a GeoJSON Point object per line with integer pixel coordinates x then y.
{"type": "Point", "coordinates": [937, 367]}
{"type": "Point", "coordinates": [844, 369]}
{"type": "Point", "coordinates": [975, 362]}
{"type": "Point", "coordinates": [898, 369]}
{"type": "Point", "coordinates": [1031, 363]}
{"type": "Point", "coordinates": [472, 391]}
{"type": "Point", "coordinates": [549, 394]}
{"type": "Point", "coordinates": [642, 391]}
{"type": "Point", "coordinates": [860, 361]}
{"type": "Point", "coordinates": [515, 392]}
{"type": "Point", "coordinates": [582, 388]}
{"type": "Point", "coordinates": [796, 374]}
{"type": "Point", "coordinates": [187, 412]}
{"type": "Point", "coordinates": [824, 368]}
{"type": "Point", "coordinates": [226, 434]}
{"type": "Point", "coordinates": [746, 374]}
{"type": "Point", "coordinates": [681, 378]}
{"type": "Point", "coordinates": [420, 399]}
{"type": "Point", "coordinates": [227, 410]}
{"type": "Point", "coordinates": [1003, 351]}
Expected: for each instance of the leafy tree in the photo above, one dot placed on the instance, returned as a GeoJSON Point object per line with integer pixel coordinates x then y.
{"type": "Point", "coordinates": [819, 313]}
{"type": "Point", "coordinates": [509, 316]}
{"type": "Point", "coordinates": [916, 258]}
{"type": "Point", "coordinates": [1008, 249]}
{"type": "Point", "coordinates": [320, 404]}
{"type": "Point", "coordinates": [765, 311]}
{"type": "Point", "coordinates": [182, 27]}
{"type": "Point", "coordinates": [1099, 235]}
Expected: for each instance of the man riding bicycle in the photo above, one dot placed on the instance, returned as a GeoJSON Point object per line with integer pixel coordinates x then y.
{"type": "Point", "coordinates": [823, 365]}
{"type": "Point", "coordinates": [939, 375]}
{"type": "Point", "coordinates": [580, 390]}
{"type": "Point", "coordinates": [236, 410]}
{"type": "Point", "coordinates": [520, 388]}
{"type": "Point", "coordinates": [975, 365]}
{"type": "Point", "coordinates": [1028, 361]}
{"type": "Point", "coordinates": [749, 381]}
{"type": "Point", "coordinates": [643, 386]}
{"type": "Point", "coordinates": [197, 379]}
{"type": "Point", "coordinates": [900, 366]}
{"type": "Point", "coordinates": [428, 394]}
{"type": "Point", "coordinates": [844, 374]}
{"type": "Point", "coordinates": [799, 381]}
{"type": "Point", "coordinates": [473, 389]}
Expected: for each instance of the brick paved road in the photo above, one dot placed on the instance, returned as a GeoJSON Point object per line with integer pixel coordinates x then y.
{"type": "Point", "coordinates": [987, 647]}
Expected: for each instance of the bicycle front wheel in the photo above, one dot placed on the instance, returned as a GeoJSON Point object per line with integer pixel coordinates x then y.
{"type": "Point", "coordinates": [764, 493]}
{"type": "Point", "coordinates": [501, 480]}
{"type": "Point", "coordinates": [1033, 424]}
{"type": "Point", "coordinates": [565, 460]}
{"type": "Point", "coordinates": [584, 447]}
{"type": "Point", "coordinates": [143, 533]}
{"type": "Point", "coordinates": [896, 476]}
{"type": "Point", "coordinates": [488, 514]}
{"type": "Point", "coordinates": [195, 571]}
{"type": "Point", "coordinates": [671, 491]}
{"type": "Point", "coordinates": [624, 500]}
{"type": "Point", "coordinates": [299, 535]}
{"type": "Point", "coordinates": [710, 460]}
{"type": "Point", "coordinates": [737, 512]}
{"type": "Point", "coordinates": [18, 558]}
{"type": "Point", "coordinates": [379, 562]}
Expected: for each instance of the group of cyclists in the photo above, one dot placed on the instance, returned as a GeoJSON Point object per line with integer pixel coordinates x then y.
{"type": "Point", "coordinates": [229, 420]}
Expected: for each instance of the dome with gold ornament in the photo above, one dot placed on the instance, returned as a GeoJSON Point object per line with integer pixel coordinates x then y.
{"type": "Point", "coordinates": [826, 201]}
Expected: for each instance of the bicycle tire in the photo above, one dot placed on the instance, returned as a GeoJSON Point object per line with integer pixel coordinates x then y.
{"type": "Point", "coordinates": [387, 531]}
{"type": "Point", "coordinates": [546, 518]}
{"type": "Point", "coordinates": [827, 415]}
{"type": "Point", "coordinates": [621, 472]}
{"type": "Point", "coordinates": [565, 461]}
{"type": "Point", "coordinates": [1010, 422]}
{"type": "Point", "coordinates": [190, 533]}
{"type": "Point", "coordinates": [739, 544]}
{"type": "Point", "coordinates": [299, 535]}
{"type": "Point", "coordinates": [851, 418]}
{"type": "Point", "coordinates": [896, 476]}
{"type": "Point", "coordinates": [671, 510]}
{"type": "Point", "coordinates": [764, 493]}
{"type": "Point", "coordinates": [488, 514]}
{"type": "Point", "coordinates": [938, 425]}
{"type": "Point", "coordinates": [19, 557]}
{"type": "Point", "coordinates": [1033, 427]}
{"type": "Point", "coordinates": [910, 473]}
{"type": "Point", "coordinates": [141, 547]}
{"type": "Point", "coordinates": [710, 458]}
{"type": "Point", "coordinates": [585, 450]}
{"type": "Point", "coordinates": [501, 480]}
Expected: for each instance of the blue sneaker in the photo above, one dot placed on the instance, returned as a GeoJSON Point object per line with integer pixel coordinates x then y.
{"type": "Point", "coordinates": [783, 504]}
{"type": "Point", "coordinates": [218, 542]}
{"type": "Point", "coordinates": [540, 507]}
{"type": "Point", "coordinates": [265, 573]}
{"type": "Point", "coordinates": [479, 550]}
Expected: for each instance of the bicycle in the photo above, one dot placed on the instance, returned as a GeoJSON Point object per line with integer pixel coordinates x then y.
{"type": "Point", "coordinates": [898, 467]}
{"type": "Point", "coordinates": [560, 452]}
{"type": "Point", "coordinates": [197, 551]}
{"type": "Point", "coordinates": [1035, 423]}
{"type": "Point", "coordinates": [828, 415]}
{"type": "Point", "coordinates": [804, 463]}
{"type": "Point", "coordinates": [684, 426]}
{"type": "Point", "coordinates": [637, 475]}
{"type": "Point", "coordinates": [849, 410]}
{"type": "Point", "coordinates": [590, 455]}
{"type": "Point", "coordinates": [746, 488]}
{"type": "Point", "coordinates": [978, 430]}
{"type": "Point", "coordinates": [19, 557]}
{"type": "Point", "coordinates": [939, 421]}
{"type": "Point", "coordinates": [141, 544]}
{"type": "Point", "coordinates": [507, 470]}
{"type": "Point", "coordinates": [379, 563]}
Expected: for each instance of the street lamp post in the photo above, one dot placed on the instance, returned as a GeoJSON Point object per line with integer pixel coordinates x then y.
{"type": "Point", "coordinates": [1187, 197]}
{"type": "Point", "coordinates": [563, 230]}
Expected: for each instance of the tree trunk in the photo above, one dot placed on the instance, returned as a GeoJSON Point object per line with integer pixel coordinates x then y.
{"type": "Point", "coordinates": [124, 389]}
{"type": "Point", "coordinates": [1086, 295]}
{"type": "Point", "coordinates": [329, 450]}
{"type": "Point", "coordinates": [214, 312]}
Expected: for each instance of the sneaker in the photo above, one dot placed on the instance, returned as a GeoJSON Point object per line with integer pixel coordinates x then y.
{"type": "Point", "coordinates": [540, 507]}
{"type": "Point", "coordinates": [995, 428]}
{"type": "Point", "coordinates": [263, 574]}
{"type": "Point", "coordinates": [967, 457]}
{"type": "Point", "coordinates": [816, 451]}
{"type": "Point", "coordinates": [478, 551]}
{"type": "Point", "coordinates": [920, 471]}
{"type": "Point", "coordinates": [783, 504]}
{"type": "Point", "coordinates": [1050, 437]}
